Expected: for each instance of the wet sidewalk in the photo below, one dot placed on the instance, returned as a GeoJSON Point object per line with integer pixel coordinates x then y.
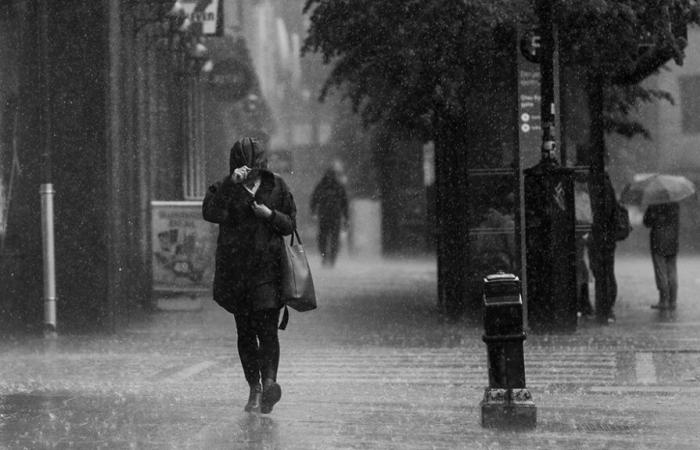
{"type": "Point", "coordinates": [374, 367]}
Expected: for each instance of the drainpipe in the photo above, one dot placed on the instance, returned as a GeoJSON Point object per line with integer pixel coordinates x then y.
{"type": "Point", "coordinates": [49, 257]}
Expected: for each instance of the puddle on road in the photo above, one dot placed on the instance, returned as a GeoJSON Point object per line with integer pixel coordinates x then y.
{"type": "Point", "coordinates": [46, 420]}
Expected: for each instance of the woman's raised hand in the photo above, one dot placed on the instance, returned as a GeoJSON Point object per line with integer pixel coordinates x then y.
{"type": "Point", "coordinates": [239, 175]}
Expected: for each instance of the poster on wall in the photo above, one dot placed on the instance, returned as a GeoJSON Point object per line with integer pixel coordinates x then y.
{"type": "Point", "coordinates": [183, 247]}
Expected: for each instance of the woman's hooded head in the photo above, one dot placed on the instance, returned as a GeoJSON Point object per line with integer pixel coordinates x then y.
{"type": "Point", "coordinates": [247, 152]}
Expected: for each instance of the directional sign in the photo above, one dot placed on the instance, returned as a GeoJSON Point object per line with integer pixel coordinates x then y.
{"type": "Point", "coordinates": [529, 97]}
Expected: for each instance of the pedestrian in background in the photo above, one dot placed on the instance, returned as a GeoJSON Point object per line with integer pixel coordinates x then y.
{"type": "Point", "coordinates": [663, 220]}
{"type": "Point", "coordinates": [584, 217]}
{"type": "Point", "coordinates": [329, 205]}
{"type": "Point", "coordinates": [254, 209]}
{"type": "Point", "coordinates": [602, 245]}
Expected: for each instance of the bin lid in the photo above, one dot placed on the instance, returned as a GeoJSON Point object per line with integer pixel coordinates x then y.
{"type": "Point", "coordinates": [501, 277]}
{"type": "Point", "coordinates": [501, 288]}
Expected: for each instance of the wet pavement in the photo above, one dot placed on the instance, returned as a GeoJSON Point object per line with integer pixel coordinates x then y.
{"type": "Point", "coordinates": [374, 367]}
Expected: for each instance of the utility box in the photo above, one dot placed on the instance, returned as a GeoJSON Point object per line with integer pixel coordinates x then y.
{"type": "Point", "coordinates": [507, 401]}
{"type": "Point", "coordinates": [550, 239]}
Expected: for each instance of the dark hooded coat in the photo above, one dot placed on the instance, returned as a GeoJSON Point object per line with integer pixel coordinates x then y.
{"type": "Point", "coordinates": [604, 205]}
{"type": "Point", "coordinates": [248, 252]}
{"type": "Point", "coordinates": [329, 199]}
{"type": "Point", "coordinates": [664, 222]}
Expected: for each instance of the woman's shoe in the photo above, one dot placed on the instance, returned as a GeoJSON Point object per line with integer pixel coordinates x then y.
{"type": "Point", "coordinates": [272, 392]}
{"type": "Point", "coordinates": [254, 400]}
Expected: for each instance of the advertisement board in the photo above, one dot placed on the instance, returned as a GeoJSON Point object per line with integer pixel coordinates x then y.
{"type": "Point", "coordinates": [183, 247]}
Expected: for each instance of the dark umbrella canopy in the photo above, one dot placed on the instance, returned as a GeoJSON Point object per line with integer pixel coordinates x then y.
{"type": "Point", "coordinates": [656, 189]}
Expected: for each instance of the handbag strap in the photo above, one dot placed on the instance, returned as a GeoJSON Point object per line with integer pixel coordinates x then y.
{"type": "Point", "coordinates": [285, 319]}
{"type": "Point", "coordinates": [295, 233]}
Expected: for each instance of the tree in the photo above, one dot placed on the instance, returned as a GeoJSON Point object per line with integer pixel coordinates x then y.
{"type": "Point", "coordinates": [617, 44]}
{"type": "Point", "coordinates": [406, 61]}
{"type": "Point", "coordinates": [420, 64]}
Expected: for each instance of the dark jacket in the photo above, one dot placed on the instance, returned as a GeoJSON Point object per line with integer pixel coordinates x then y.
{"type": "Point", "coordinates": [604, 207]}
{"type": "Point", "coordinates": [249, 248]}
{"type": "Point", "coordinates": [664, 223]}
{"type": "Point", "coordinates": [329, 199]}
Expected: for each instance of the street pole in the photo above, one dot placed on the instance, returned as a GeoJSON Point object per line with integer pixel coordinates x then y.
{"type": "Point", "coordinates": [550, 221]}
{"type": "Point", "coordinates": [545, 11]}
{"type": "Point", "coordinates": [46, 190]}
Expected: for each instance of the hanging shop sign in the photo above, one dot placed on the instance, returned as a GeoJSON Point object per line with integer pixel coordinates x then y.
{"type": "Point", "coordinates": [207, 12]}
{"type": "Point", "coordinates": [183, 245]}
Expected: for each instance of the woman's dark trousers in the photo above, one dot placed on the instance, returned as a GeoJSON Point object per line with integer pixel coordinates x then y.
{"type": "Point", "coordinates": [258, 342]}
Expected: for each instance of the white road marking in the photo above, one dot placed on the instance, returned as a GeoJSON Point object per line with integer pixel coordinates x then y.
{"type": "Point", "coordinates": [645, 389]}
{"type": "Point", "coordinates": [644, 368]}
{"type": "Point", "coordinates": [189, 372]}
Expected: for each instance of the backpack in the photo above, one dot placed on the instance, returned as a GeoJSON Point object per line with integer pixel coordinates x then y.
{"type": "Point", "coordinates": [622, 223]}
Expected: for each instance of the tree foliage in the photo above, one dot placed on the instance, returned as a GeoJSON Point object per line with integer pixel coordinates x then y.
{"type": "Point", "coordinates": [403, 60]}
{"type": "Point", "coordinates": [412, 61]}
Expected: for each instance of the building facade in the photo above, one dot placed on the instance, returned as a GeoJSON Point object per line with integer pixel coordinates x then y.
{"type": "Point", "coordinates": [117, 107]}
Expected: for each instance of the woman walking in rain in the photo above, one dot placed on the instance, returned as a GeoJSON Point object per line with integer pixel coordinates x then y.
{"type": "Point", "coordinates": [254, 209]}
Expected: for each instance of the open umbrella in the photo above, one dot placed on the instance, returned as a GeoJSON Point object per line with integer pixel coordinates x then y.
{"type": "Point", "coordinates": [657, 188]}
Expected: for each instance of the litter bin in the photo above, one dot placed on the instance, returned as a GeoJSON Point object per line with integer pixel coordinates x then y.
{"type": "Point", "coordinates": [507, 401]}
{"type": "Point", "coordinates": [550, 239]}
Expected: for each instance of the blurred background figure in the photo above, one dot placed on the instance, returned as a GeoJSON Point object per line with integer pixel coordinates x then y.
{"type": "Point", "coordinates": [661, 194]}
{"type": "Point", "coordinates": [663, 237]}
{"type": "Point", "coordinates": [601, 249]}
{"type": "Point", "coordinates": [329, 205]}
{"type": "Point", "coordinates": [584, 219]}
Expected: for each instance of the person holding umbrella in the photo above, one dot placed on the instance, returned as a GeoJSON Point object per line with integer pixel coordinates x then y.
{"type": "Point", "coordinates": [663, 242]}
{"type": "Point", "coordinates": [661, 194]}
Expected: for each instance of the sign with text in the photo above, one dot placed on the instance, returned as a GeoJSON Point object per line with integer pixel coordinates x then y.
{"type": "Point", "coordinates": [529, 98]}
{"type": "Point", "coordinates": [205, 12]}
{"type": "Point", "coordinates": [184, 247]}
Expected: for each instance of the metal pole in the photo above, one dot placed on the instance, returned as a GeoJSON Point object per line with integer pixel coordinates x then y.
{"type": "Point", "coordinates": [49, 257]}
{"type": "Point", "coordinates": [548, 111]}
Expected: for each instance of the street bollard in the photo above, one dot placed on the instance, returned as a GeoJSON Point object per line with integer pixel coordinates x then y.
{"type": "Point", "coordinates": [507, 402]}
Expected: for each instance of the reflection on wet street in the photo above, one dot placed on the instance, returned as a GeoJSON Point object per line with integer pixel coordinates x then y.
{"type": "Point", "coordinates": [374, 367]}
